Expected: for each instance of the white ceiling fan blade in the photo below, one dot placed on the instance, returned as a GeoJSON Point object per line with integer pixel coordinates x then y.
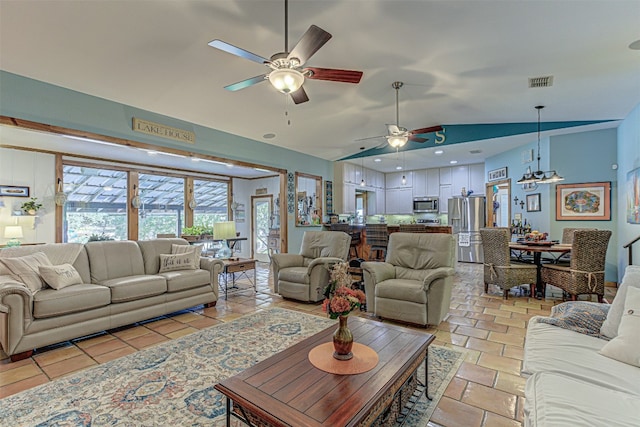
{"type": "Point", "coordinates": [394, 129]}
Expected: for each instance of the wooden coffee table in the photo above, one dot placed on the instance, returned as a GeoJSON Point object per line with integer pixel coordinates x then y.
{"type": "Point", "coordinates": [287, 390]}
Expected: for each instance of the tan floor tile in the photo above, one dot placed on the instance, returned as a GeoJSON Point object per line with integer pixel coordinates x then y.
{"type": "Point", "coordinates": [500, 363]}
{"type": "Point", "coordinates": [495, 420]}
{"type": "Point", "coordinates": [460, 340]}
{"type": "Point", "coordinates": [472, 356]}
{"type": "Point", "coordinates": [7, 364]}
{"type": "Point", "coordinates": [524, 317]}
{"type": "Point", "coordinates": [22, 385]}
{"type": "Point", "coordinates": [485, 346]}
{"type": "Point", "coordinates": [518, 323]}
{"type": "Point", "coordinates": [105, 347]}
{"type": "Point", "coordinates": [516, 340]}
{"type": "Point", "coordinates": [67, 366]}
{"type": "Point", "coordinates": [491, 326]}
{"type": "Point", "coordinates": [490, 399]}
{"type": "Point", "coordinates": [472, 332]}
{"type": "Point", "coordinates": [186, 317]}
{"type": "Point", "coordinates": [497, 312]}
{"type": "Point", "coordinates": [146, 340]}
{"type": "Point", "coordinates": [57, 355]}
{"type": "Point", "coordinates": [204, 322]}
{"type": "Point", "coordinates": [446, 326]}
{"type": "Point", "coordinates": [520, 413]}
{"type": "Point", "coordinates": [529, 304]}
{"type": "Point", "coordinates": [509, 383]}
{"type": "Point", "coordinates": [513, 308]}
{"type": "Point", "coordinates": [169, 328]}
{"type": "Point", "coordinates": [455, 388]}
{"type": "Point", "coordinates": [20, 373]}
{"type": "Point", "coordinates": [130, 333]}
{"type": "Point", "coordinates": [181, 332]}
{"type": "Point", "coordinates": [476, 374]}
{"type": "Point", "coordinates": [112, 355]}
{"type": "Point", "coordinates": [88, 342]}
{"type": "Point", "coordinates": [456, 320]}
{"type": "Point", "coordinates": [482, 316]}
{"type": "Point", "coordinates": [452, 413]}
{"type": "Point", "coordinates": [517, 331]}
{"type": "Point", "coordinates": [513, 352]}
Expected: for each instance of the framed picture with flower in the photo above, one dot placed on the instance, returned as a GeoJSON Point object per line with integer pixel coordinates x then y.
{"type": "Point", "coordinates": [590, 201]}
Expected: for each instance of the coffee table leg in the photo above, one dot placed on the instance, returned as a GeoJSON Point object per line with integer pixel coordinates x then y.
{"type": "Point", "coordinates": [426, 374]}
{"type": "Point", "coordinates": [228, 412]}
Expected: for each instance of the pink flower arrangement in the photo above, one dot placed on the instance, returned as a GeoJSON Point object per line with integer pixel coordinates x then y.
{"type": "Point", "coordinates": [340, 298]}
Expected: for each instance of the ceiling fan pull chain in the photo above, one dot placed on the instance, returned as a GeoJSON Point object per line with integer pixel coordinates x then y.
{"type": "Point", "coordinates": [286, 110]}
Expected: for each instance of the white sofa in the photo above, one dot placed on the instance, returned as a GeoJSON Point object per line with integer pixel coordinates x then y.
{"type": "Point", "coordinates": [120, 282]}
{"type": "Point", "coordinates": [569, 383]}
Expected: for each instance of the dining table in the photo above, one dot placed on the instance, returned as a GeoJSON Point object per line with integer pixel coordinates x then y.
{"type": "Point", "coordinates": [537, 248]}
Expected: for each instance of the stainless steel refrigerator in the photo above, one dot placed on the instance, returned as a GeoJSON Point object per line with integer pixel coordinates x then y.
{"type": "Point", "coordinates": [467, 217]}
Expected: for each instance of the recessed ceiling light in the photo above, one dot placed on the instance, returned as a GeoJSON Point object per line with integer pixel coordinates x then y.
{"type": "Point", "coordinates": [438, 152]}
{"type": "Point", "coordinates": [269, 135]}
{"type": "Point", "coordinates": [377, 160]}
{"type": "Point", "coordinates": [398, 168]}
{"type": "Point", "coordinates": [453, 162]}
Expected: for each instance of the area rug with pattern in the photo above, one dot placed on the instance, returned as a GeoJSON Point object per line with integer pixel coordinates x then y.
{"type": "Point", "coordinates": [172, 382]}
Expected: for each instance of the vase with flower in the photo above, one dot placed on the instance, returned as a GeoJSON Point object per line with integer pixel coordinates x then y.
{"type": "Point", "coordinates": [340, 301]}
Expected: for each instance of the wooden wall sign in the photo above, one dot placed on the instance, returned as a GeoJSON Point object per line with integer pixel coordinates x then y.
{"type": "Point", "coordinates": [163, 131]}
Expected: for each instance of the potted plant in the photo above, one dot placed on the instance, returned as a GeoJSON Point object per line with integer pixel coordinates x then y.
{"type": "Point", "coordinates": [32, 206]}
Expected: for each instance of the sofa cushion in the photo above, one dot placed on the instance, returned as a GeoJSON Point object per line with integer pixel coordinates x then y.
{"type": "Point", "coordinates": [186, 279]}
{"type": "Point", "coordinates": [60, 276]}
{"type": "Point", "coordinates": [25, 269]}
{"type": "Point", "coordinates": [548, 348]}
{"type": "Point", "coordinates": [294, 274]}
{"type": "Point", "coordinates": [578, 316]}
{"type": "Point", "coordinates": [196, 250]}
{"type": "Point", "coordinates": [631, 278]}
{"type": "Point", "coordinates": [72, 299]}
{"type": "Point", "coordinates": [58, 253]}
{"type": "Point", "coordinates": [114, 259]}
{"type": "Point", "coordinates": [557, 400]}
{"type": "Point", "coordinates": [625, 347]}
{"type": "Point", "coordinates": [402, 289]}
{"type": "Point", "coordinates": [135, 287]}
{"type": "Point", "coordinates": [151, 250]}
{"type": "Point", "coordinates": [173, 262]}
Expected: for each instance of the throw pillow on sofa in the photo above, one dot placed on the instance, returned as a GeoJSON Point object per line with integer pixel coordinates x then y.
{"type": "Point", "coordinates": [626, 347]}
{"type": "Point", "coordinates": [578, 316]}
{"type": "Point", "coordinates": [631, 279]}
{"type": "Point", "coordinates": [196, 250]}
{"type": "Point", "coordinates": [60, 276]}
{"type": "Point", "coordinates": [25, 269]}
{"type": "Point", "coordinates": [177, 262]}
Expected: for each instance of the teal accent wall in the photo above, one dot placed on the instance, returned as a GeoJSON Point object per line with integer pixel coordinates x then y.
{"type": "Point", "coordinates": [628, 157]}
{"type": "Point", "coordinates": [41, 102]}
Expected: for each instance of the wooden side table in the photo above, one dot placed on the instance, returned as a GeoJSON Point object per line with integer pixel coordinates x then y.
{"type": "Point", "coordinates": [237, 265]}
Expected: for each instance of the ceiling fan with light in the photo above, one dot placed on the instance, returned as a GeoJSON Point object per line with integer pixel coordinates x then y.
{"type": "Point", "coordinates": [398, 136]}
{"type": "Point", "coordinates": [287, 73]}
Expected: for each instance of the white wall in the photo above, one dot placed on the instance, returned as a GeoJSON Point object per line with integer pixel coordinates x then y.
{"type": "Point", "coordinates": [36, 171]}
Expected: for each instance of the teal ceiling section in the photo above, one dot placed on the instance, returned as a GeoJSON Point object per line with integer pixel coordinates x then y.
{"type": "Point", "coordinates": [457, 134]}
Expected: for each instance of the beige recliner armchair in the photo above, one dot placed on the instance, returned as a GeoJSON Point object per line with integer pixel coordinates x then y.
{"type": "Point", "coordinates": [414, 284]}
{"type": "Point", "coordinates": [304, 276]}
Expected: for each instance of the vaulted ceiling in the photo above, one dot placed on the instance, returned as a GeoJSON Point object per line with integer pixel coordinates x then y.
{"type": "Point", "coordinates": [462, 62]}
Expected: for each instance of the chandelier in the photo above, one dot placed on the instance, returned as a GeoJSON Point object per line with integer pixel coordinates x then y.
{"type": "Point", "coordinates": [539, 176]}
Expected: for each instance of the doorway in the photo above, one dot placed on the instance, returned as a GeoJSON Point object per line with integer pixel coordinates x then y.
{"type": "Point", "coordinates": [261, 211]}
{"type": "Point", "coordinates": [498, 203]}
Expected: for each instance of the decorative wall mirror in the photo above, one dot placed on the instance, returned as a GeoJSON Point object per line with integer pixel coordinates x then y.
{"type": "Point", "coordinates": [308, 200]}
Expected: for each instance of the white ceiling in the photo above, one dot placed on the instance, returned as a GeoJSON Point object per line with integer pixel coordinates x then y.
{"type": "Point", "coordinates": [462, 62]}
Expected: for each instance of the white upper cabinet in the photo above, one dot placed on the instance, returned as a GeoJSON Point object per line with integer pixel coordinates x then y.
{"type": "Point", "coordinates": [445, 176]}
{"type": "Point", "coordinates": [459, 179]}
{"type": "Point", "coordinates": [476, 178]}
{"type": "Point", "coordinates": [433, 182]}
{"type": "Point", "coordinates": [420, 183]}
{"type": "Point", "coordinates": [394, 180]}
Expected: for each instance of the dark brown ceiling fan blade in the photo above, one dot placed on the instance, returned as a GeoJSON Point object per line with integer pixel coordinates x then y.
{"type": "Point", "coordinates": [229, 48]}
{"type": "Point", "coordinates": [246, 83]}
{"type": "Point", "coordinates": [299, 96]}
{"type": "Point", "coordinates": [426, 130]}
{"type": "Point", "coordinates": [309, 43]}
{"type": "Point", "coordinates": [334, 75]}
{"type": "Point", "coordinates": [417, 139]}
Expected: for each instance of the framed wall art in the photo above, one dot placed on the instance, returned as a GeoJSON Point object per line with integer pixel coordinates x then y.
{"type": "Point", "coordinates": [633, 196]}
{"type": "Point", "coordinates": [14, 191]}
{"type": "Point", "coordinates": [590, 201]}
{"type": "Point", "coordinates": [533, 202]}
{"type": "Point", "coordinates": [497, 174]}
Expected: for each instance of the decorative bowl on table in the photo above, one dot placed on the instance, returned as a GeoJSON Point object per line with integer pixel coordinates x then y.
{"type": "Point", "coordinates": [536, 236]}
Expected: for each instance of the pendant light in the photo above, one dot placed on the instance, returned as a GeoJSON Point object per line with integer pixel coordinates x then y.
{"type": "Point", "coordinates": [539, 176]}
{"type": "Point", "coordinates": [404, 178]}
{"type": "Point", "coordinates": [362, 183]}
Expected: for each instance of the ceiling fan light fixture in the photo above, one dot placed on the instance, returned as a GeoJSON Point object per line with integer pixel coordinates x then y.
{"type": "Point", "coordinates": [286, 80]}
{"type": "Point", "coordinates": [397, 141]}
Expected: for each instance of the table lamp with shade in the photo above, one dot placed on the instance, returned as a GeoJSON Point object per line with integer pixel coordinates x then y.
{"type": "Point", "coordinates": [13, 232]}
{"type": "Point", "coordinates": [224, 230]}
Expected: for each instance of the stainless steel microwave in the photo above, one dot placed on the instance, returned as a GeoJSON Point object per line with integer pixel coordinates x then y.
{"type": "Point", "coordinates": [425, 204]}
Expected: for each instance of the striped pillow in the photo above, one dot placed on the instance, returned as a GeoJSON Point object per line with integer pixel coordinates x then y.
{"type": "Point", "coordinates": [25, 269]}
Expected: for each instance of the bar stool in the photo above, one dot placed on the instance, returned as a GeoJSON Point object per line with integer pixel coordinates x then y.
{"type": "Point", "coordinates": [413, 228]}
{"type": "Point", "coordinates": [378, 239]}
{"type": "Point", "coordinates": [355, 237]}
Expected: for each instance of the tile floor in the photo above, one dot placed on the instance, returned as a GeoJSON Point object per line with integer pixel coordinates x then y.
{"type": "Point", "coordinates": [487, 390]}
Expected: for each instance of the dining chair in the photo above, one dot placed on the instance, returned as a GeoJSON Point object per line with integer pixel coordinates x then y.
{"type": "Point", "coordinates": [499, 269]}
{"type": "Point", "coordinates": [378, 238]}
{"type": "Point", "coordinates": [567, 239]}
{"type": "Point", "coordinates": [585, 272]}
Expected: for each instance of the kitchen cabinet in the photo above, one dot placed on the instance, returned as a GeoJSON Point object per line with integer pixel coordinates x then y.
{"type": "Point", "coordinates": [420, 183]}
{"type": "Point", "coordinates": [445, 195]}
{"type": "Point", "coordinates": [445, 176]}
{"type": "Point", "coordinates": [394, 180]}
{"type": "Point", "coordinates": [476, 178]}
{"type": "Point", "coordinates": [399, 201]}
{"type": "Point", "coordinates": [459, 179]}
{"type": "Point", "coordinates": [433, 182]}
{"type": "Point", "coordinates": [381, 201]}
{"type": "Point", "coordinates": [348, 198]}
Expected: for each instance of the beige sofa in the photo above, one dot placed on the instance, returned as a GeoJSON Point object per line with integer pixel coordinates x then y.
{"type": "Point", "coordinates": [120, 284]}
{"type": "Point", "coordinates": [414, 284]}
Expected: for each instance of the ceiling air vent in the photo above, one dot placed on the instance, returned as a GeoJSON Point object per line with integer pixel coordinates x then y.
{"type": "Point", "coordinates": [475, 151]}
{"type": "Point", "coordinates": [545, 81]}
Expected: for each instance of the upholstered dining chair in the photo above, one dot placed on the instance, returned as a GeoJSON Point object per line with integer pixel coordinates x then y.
{"type": "Point", "coordinates": [378, 239]}
{"type": "Point", "coordinates": [585, 272]}
{"type": "Point", "coordinates": [304, 276]}
{"type": "Point", "coordinates": [413, 228]}
{"type": "Point", "coordinates": [499, 269]}
{"type": "Point", "coordinates": [414, 284]}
